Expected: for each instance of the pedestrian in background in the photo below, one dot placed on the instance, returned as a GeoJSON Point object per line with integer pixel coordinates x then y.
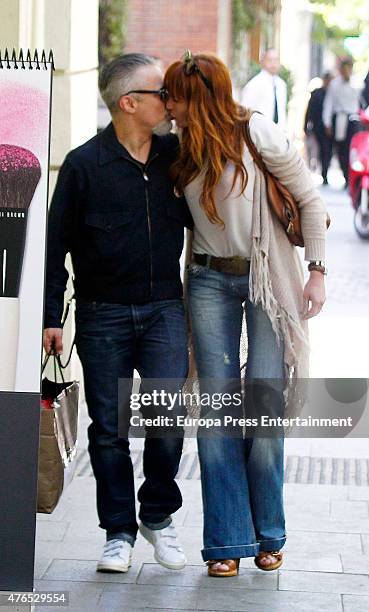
{"type": "Point", "coordinates": [267, 92]}
{"type": "Point", "coordinates": [314, 125]}
{"type": "Point", "coordinates": [364, 98]}
{"type": "Point", "coordinates": [341, 101]}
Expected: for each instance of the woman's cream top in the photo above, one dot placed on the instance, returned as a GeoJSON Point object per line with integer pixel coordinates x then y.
{"type": "Point", "coordinates": [234, 208]}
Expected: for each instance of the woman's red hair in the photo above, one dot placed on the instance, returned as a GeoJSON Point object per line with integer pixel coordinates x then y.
{"type": "Point", "coordinates": [215, 132]}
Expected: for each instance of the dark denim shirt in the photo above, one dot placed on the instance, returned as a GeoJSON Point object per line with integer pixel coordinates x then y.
{"type": "Point", "coordinates": [121, 222]}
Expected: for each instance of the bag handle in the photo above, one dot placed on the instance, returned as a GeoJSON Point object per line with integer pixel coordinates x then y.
{"type": "Point", "coordinates": [61, 365]}
{"type": "Point", "coordinates": [56, 362]}
{"type": "Point", "coordinates": [64, 318]}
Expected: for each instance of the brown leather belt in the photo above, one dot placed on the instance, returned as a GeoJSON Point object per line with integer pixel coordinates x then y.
{"type": "Point", "coordinates": [239, 266]}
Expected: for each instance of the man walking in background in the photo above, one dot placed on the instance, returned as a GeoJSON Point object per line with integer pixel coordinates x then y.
{"type": "Point", "coordinates": [341, 101]}
{"type": "Point", "coordinates": [267, 92]}
{"type": "Point", "coordinates": [314, 125]}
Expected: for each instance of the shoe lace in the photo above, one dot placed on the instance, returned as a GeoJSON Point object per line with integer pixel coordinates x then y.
{"type": "Point", "coordinates": [114, 548]}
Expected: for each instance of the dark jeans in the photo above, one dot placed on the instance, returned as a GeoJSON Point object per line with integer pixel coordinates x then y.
{"type": "Point", "coordinates": [112, 340]}
{"type": "Point", "coordinates": [325, 151]}
{"type": "Point", "coordinates": [343, 146]}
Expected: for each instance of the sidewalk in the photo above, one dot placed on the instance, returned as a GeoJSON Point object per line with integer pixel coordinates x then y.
{"type": "Point", "coordinates": [326, 564]}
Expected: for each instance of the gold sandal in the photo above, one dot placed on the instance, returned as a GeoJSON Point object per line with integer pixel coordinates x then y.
{"type": "Point", "coordinates": [272, 566]}
{"type": "Point", "coordinates": [233, 565]}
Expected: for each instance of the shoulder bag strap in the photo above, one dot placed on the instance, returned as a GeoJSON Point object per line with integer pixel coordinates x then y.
{"type": "Point", "coordinates": [252, 147]}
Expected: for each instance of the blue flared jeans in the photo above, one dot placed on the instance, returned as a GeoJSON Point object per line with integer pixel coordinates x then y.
{"type": "Point", "coordinates": [242, 477]}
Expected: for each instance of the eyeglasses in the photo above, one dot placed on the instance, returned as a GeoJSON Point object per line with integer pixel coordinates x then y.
{"type": "Point", "coordinates": [163, 93]}
{"type": "Point", "coordinates": [190, 66]}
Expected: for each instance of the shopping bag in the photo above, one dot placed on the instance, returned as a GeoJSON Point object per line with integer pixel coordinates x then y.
{"type": "Point", "coordinates": [58, 438]}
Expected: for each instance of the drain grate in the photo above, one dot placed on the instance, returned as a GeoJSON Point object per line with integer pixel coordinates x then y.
{"type": "Point", "coordinates": [298, 469]}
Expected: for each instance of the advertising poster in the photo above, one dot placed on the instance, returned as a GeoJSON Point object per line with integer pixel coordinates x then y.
{"type": "Point", "coordinates": [25, 88]}
{"type": "Point", "coordinates": [25, 96]}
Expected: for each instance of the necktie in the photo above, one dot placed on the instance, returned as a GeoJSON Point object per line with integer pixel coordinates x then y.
{"type": "Point", "coordinates": [275, 118]}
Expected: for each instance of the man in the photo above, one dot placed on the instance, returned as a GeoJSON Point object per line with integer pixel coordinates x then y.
{"type": "Point", "coordinates": [267, 92]}
{"type": "Point", "coordinates": [314, 125]}
{"type": "Point", "coordinates": [115, 211]}
{"type": "Point", "coordinates": [341, 101]}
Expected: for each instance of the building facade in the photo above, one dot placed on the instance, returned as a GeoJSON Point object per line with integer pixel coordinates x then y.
{"type": "Point", "coordinates": [166, 28]}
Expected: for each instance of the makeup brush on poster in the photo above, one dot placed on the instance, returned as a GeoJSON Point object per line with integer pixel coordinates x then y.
{"type": "Point", "coordinates": [20, 172]}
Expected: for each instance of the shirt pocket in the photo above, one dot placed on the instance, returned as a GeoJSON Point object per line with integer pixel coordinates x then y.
{"type": "Point", "coordinates": [109, 221]}
{"type": "Point", "coordinates": [108, 235]}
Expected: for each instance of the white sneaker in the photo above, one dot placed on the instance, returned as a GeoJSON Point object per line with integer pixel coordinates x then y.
{"type": "Point", "coordinates": [167, 549]}
{"type": "Point", "coordinates": [116, 557]}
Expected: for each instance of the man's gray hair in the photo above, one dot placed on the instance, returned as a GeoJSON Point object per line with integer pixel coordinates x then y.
{"type": "Point", "coordinates": [118, 76]}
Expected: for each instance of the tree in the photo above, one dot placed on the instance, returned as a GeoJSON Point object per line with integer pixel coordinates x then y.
{"type": "Point", "coordinates": [336, 20]}
{"type": "Point", "coordinates": [349, 17]}
{"type": "Point", "coordinates": [112, 35]}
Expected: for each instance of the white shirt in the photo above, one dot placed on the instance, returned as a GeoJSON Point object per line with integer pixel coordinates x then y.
{"type": "Point", "coordinates": [258, 94]}
{"type": "Point", "coordinates": [341, 97]}
{"type": "Point", "coordinates": [234, 209]}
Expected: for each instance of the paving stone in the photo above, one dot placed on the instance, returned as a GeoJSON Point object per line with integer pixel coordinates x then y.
{"type": "Point", "coordinates": [365, 544]}
{"type": "Point", "coordinates": [339, 447]}
{"type": "Point", "coordinates": [355, 603]}
{"type": "Point", "coordinates": [58, 514]}
{"type": "Point", "coordinates": [341, 509]}
{"type": "Point", "coordinates": [83, 596]}
{"type": "Point", "coordinates": [11, 608]}
{"type": "Point", "coordinates": [315, 491]}
{"type": "Point", "coordinates": [194, 576]}
{"type": "Point", "coordinates": [350, 584]}
{"type": "Point", "coordinates": [85, 571]}
{"type": "Point", "coordinates": [42, 562]}
{"type": "Point", "coordinates": [261, 601]}
{"type": "Point", "coordinates": [311, 504]}
{"type": "Point", "coordinates": [194, 518]}
{"type": "Point", "coordinates": [297, 446]}
{"type": "Point", "coordinates": [359, 493]}
{"type": "Point", "coordinates": [311, 562]}
{"type": "Point", "coordinates": [53, 531]}
{"type": "Point", "coordinates": [343, 525]}
{"type": "Point", "coordinates": [119, 598]}
{"type": "Point", "coordinates": [70, 549]}
{"type": "Point", "coordinates": [316, 542]}
{"type": "Point", "coordinates": [355, 564]}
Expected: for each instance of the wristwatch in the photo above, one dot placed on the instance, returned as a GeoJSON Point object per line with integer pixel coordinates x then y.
{"type": "Point", "coordinates": [317, 265]}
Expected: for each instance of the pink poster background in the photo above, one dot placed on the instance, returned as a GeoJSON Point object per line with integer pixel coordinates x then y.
{"type": "Point", "coordinates": [24, 122]}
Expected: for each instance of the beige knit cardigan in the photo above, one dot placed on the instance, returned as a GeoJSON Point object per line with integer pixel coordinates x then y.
{"type": "Point", "coordinates": [276, 279]}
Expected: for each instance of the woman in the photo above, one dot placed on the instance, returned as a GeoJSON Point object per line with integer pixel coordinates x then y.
{"type": "Point", "coordinates": [242, 258]}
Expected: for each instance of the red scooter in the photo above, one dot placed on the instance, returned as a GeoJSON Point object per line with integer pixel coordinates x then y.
{"type": "Point", "coordinates": [359, 176]}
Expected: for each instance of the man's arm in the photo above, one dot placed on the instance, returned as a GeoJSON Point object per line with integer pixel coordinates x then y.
{"type": "Point", "coordinates": [61, 225]}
